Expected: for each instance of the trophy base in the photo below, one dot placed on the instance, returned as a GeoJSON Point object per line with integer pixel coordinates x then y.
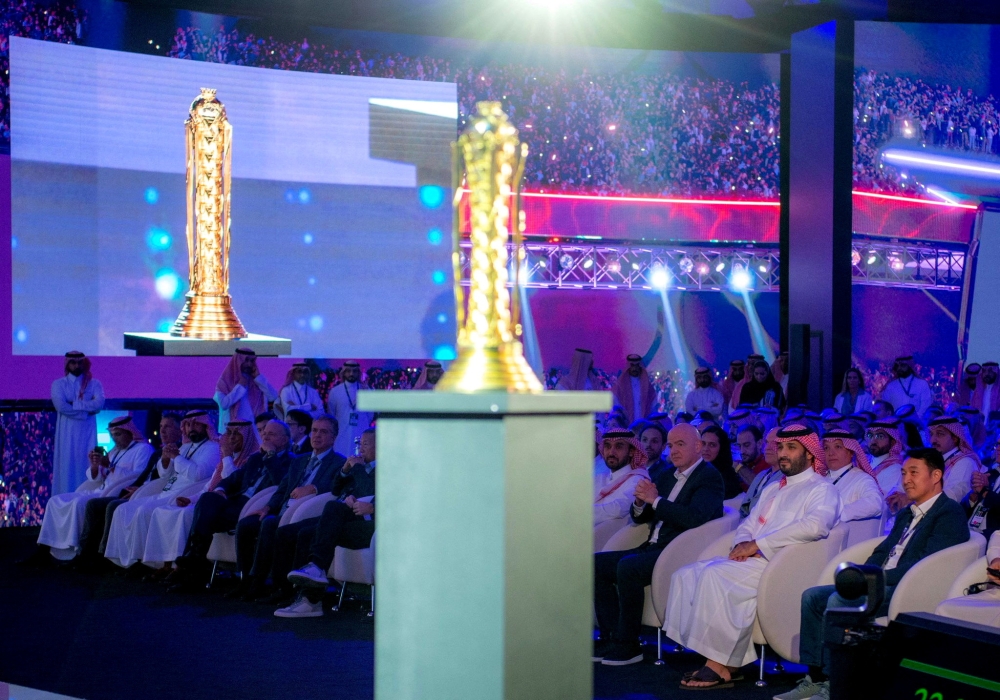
{"type": "Point", "coordinates": [208, 318]}
{"type": "Point", "coordinates": [479, 370]}
{"type": "Point", "coordinates": [166, 345]}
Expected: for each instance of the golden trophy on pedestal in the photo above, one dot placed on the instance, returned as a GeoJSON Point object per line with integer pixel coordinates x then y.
{"type": "Point", "coordinates": [490, 354]}
{"type": "Point", "coordinates": [208, 313]}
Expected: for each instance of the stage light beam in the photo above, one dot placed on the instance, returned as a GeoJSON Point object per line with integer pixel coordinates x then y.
{"type": "Point", "coordinates": [660, 278]}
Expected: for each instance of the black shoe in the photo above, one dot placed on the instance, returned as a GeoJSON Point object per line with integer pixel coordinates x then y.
{"type": "Point", "coordinates": [622, 654]}
{"type": "Point", "coordinates": [601, 649]}
{"type": "Point", "coordinates": [278, 596]}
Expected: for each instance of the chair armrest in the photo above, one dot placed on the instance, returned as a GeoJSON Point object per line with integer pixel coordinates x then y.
{"type": "Point", "coordinates": [629, 537]}
{"type": "Point", "coordinates": [604, 531]}
{"type": "Point", "coordinates": [257, 501]}
{"type": "Point", "coordinates": [857, 554]}
{"type": "Point", "coordinates": [312, 508]}
{"type": "Point", "coordinates": [719, 548]}
{"type": "Point", "coordinates": [973, 573]}
{"type": "Point", "coordinates": [293, 505]}
{"type": "Point", "coordinates": [150, 488]}
{"type": "Point", "coordinates": [928, 581]}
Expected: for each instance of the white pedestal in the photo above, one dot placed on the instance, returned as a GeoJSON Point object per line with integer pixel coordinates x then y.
{"type": "Point", "coordinates": [484, 564]}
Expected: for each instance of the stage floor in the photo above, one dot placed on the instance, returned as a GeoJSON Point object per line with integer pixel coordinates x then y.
{"type": "Point", "coordinates": [16, 692]}
{"type": "Point", "coordinates": [104, 637]}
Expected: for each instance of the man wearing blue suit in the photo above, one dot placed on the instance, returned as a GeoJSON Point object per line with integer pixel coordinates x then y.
{"type": "Point", "coordinates": [256, 534]}
{"type": "Point", "coordinates": [931, 523]}
{"type": "Point", "coordinates": [684, 496]}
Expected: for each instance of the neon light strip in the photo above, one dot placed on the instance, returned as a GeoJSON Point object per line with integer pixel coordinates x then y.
{"type": "Point", "coordinates": [950, 675]}
{"type": "Point", "coordinates": [912, 200]}
{"type": "Point", "coordinates": [727, 202]}
{"type": "Point", "coordinates": [942, 163]}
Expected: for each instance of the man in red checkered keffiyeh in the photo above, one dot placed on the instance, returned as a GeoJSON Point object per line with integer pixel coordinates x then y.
{"type": "Point", "coordinates": [809, 439]}
{"type": "Point", "coordinates": [614, 491]}
{"type": "Point", "coordinates": [850, 472]}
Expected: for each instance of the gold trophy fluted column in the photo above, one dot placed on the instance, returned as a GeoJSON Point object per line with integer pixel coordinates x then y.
{"type": "Point", "coordinates": [208, 313]}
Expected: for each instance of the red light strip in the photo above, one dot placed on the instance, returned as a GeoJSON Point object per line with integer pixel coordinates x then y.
{"type": "Point", "coordinates": [729, 202]}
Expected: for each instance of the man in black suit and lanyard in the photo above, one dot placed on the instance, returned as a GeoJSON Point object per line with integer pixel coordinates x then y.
{"type": "Point", "coordinates": [932, 523]}
{"type": "Point", "coordinates": [685, 496]}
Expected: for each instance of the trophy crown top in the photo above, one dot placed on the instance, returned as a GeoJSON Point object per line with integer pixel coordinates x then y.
{"type": "Point", "coordinates": [490, 117]}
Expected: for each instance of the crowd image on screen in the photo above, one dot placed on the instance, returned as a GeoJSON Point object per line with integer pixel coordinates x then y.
{"type": "Point", "coordinates": [25, 467]}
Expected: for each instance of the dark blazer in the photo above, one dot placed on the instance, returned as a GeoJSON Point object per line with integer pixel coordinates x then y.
{"type": "Point", "coordinates": [323, 480]}
{"type": "Point", "coordinates": [274, 469]}
{"type": "Point", "coordinates": [657, 468]}
{"type": "Point", "coordinates": [699, 500]}
{"type": "Point", "coordinates": [357, 482]}
{"type": "Point", "coordinates": [304, 449]}
{"type": "Point", "coordinates": [992, 501]}
{"type": "Point", "coordinates": [943, 526]}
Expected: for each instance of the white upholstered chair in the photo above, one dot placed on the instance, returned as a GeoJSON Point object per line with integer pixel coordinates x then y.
{"type": "Point", "coordinates": [223, 547]}
{"type": "Point", "coordinates": [354, 566]}
{"type": "Point", "coordinates": [861, 530]}
{"type": "Point", "coordinates": [604, 531]}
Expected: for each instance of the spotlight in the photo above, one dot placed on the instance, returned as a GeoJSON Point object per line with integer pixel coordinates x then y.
{"type": "Point", "coordinates": [895, 262]}
{"type": "Point", "coordinates": [702, 268]}
{"type": "Point", "coordinates": [686, 265]}
{"type": "Point", "coordinates": [659, 278]}
{"type": "Point", "coordinates": [763, 269]}
{"type": "Point", "coordinates": [872, 257]}
{"type": "Point", "coordinates": [588, 263]}
{"type": "Point", "coordinates": [855, 258]}
{"type": "Point", "coordinates": [720, 267]}
{"type": "Point", "coordinates": [565, 261]}
{"type": "Point", "coordinates": [614, 266]}
{"type": "Point", "coordinates": [740, 280]}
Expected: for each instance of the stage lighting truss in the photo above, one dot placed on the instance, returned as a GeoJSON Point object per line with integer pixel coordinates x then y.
{"type": "Point", "coordinates": [633, 266]}
{"type": "Point", "coordinates": [895, 263]}
{"type": "Point", "coordinates": [575, 265]}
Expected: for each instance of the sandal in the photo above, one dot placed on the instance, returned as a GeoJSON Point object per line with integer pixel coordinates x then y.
{"type": "Point", "coordinates": [736, 676]}
{"type": "Point", "coordinates": [706, 675]}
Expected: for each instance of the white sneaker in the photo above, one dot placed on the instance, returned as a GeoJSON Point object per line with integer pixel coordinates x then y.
{"type": "Point", "coordinates": [301, 608]}
{"type": "Point", "coordinates": [823, 693]}
{"type": "Point", "coordinates": [310, 576]}
{"type": "Point", "coordinates": [805, 690]}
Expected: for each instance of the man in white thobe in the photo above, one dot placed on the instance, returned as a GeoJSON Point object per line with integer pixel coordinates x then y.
{"type": "Point", "coordinates": [907, 388]}
{"type": "Point", "coordinates": [713, 604]}
{"type": "Point", "coordinates": [170, 523]}
{"type": "Point", "coordinates": [850, 472]}
{"type": "Point", "coordinates": [106, 474]}
{"type": "Point", "coordinates": [242, 392]}
{"type": "Point", "coordinates": [614, 490]}
{"type": "Point", "coordinates": [77, 398]}
{"type": "Point", "coordinates": [185, 466]}
{"type": "Point", "coordinates": [298, 393]}
{"type": "Point", "coordinates": [343, 405]}
{"type": "Point", "coordinates": [705, 396]}
{"type": "Point", "coordinates": [951, 439]}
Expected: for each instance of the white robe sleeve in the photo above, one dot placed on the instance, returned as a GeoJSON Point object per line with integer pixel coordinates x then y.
{"type": "Point", "coordinates": [64, 407]}
{"type": "Point", "coordinates": [993, 549]}
{"type": "Point", "coordinates": [923, 398]}
{"type": "Point", "coordinates": [94, 404]}
{"type": "Point", "coordinates": [200, 466]}
{"type": "Point", "coordinates": [958, 480]}
{"type": "Point", "coordinates": [228, 466]}
{"type": "Point", "coordinates": [227, 401]}
{"type": "Point", "coordinates": [617, 505]}
{"type": "Point", "coordinates": [270, 393]}
{"type": "Point", "coordinates": [821, 512]}
{"type": "Point", "coordinates": [861, 499]}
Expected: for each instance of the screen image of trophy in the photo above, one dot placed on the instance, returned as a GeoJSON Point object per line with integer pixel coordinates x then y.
{"type": "Point", "coordinates": [208, 313]}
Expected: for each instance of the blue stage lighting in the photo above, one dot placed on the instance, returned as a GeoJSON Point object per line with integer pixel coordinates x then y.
{"type": "Point", "coordinates": [164, 325]}
{"type": "Point", "coordinates": [158, 239]}
{"type": "Point", "coordinates": [740, 280]}
{"type": "Point", "coordinates": [21, 335]}
{"type": "Point", "coordinates": [307, 238]}
{"type": "Point", "coordinates": [438, 277]}
{"type": "Point", "coordinates": [13, 242]}
{"type": "Point", "coordinates": [168, 284]}
{"type": "Point", "coordinates": [151, 195]}
{"type": "Point", "coordinates": [434, 236]}
{"type": "Point", "coordinates": [659, 278]}
{"type": "Point", "coordinates": [304, 196]}
{"type": "Point", "coordinates": [444, 353]}
{"type": "Point", "coordinates": [316, 323]}
{"type": "Point", "coordinates": [432, 196]}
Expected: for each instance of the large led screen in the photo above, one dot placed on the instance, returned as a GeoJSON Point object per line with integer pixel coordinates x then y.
{"type": "Point", "coordinates": [340, 203]}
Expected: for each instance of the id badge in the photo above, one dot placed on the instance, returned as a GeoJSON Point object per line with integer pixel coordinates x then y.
{"type": "Point", "coordinates": [353, 420]}
{"type": "Point", "coordinates": [978, 518]}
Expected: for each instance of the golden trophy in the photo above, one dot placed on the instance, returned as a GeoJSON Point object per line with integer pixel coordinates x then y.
{"type": "Point", "coordinates": [208, 313]}
{"type": "Point", "coordinates": [490, 354]}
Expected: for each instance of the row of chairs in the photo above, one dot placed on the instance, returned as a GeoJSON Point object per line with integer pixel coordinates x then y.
{"type": "Point", "coordinates": [792, 571]}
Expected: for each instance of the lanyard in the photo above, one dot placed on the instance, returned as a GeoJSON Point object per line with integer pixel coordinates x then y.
{"type": "Point", "coordinates": [353, 404]}
{"type": "Point", "coordinates": [837, 480]}
{"type": "Point", "coordinates": [302, 401]}
{"type": "Point", "coordinates": [906, 391]}
{"type": "Point", "coordinates": [118, 457]}
{"type": "Point", "coordinates": [197, 447]}
{"type": "Point", "coordinates": [764, 483]}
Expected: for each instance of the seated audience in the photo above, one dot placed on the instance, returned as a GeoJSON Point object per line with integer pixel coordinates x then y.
{"type": "Point", "coordinates": [930, 524]}
{"type": "Point", "coordinates": [242, 392]}
{"type": "Point", "coordinates": [687, 495]}
{"type": "Point", "coordinates": [615, 489]}
{"type": "Point", "coordinates": [713, 604]}
{"type": "Point", "coordinates": [907, 387]}
{"type": "Point", "coordinates": [170, 523]}
{"type": "Point", "coordinates": [850, 472]}
{"type": "Point", "coordinates": [298, 392]}
{"type": "Point", "coordinates": [106, 475]}
{"type": "Point", "coordinates": [299, 425]}
{"type": "Point", "coordinates": [429, 376]}
{"type": "Point", "coordinates": [853, 397]}
{"type": "Point", "coordinates": [982, 608]}
{"type": "Point", "coordinates": [885, 445]}
{"type": "Point", "coordinates": [765, 476]}
{"type": "Point", "coordinates": [219, 508]}
{"type": "Point", "coordinates": [705, 396]}
{"type": "Point", "coordinates": [951, 439]}
{"type": "Point", "coordinates": [717, 451]}
{"type": "Point", "coordinates": [180, 468]}
{"type": "Point", "coordinates": [882, 409]}
{"type": "Point", "coordinates": [348, 521]}
{"type": "Point", "coordinates": [986, 396]}
{"type": "Point", "coordinates": [750, 441]}
{"type": "Point", "coordinates": [967, 385]}
{"type": "Point", "coordinates": [734, 376]}
{"type": "Point", "coordinates": [259, 422]}
{"type": "Point", "coordinates": [653, 438]}
{"type": "Point", "coordinates": [759, 389]}
{"type": "Point", "coordinates": [256, 534]}
{"type": "Point", "coordinates": [982, 504]}
{"type": "Point", "coordinates": [579, 377]}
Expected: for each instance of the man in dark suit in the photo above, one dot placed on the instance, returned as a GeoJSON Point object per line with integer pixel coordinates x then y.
{"type": "Point", "coordinates": [99, 511]}
{"type": "Point", "coordinates": [982, 503]}
{"type": "Point", "coordinates": [653, 438]}
{"type": "Point", "coordinates": [687, 495]}
{"type": "Point", "coordinates": [348, 521]}
{"type": "Point", "coordinates": [300, 423]}
{"type": "Point", "coordinates": [219, 510]}
{"type": "Point", "coordinates": [932, 523]}
{"type": "Point", "coordinates": [256, 534]}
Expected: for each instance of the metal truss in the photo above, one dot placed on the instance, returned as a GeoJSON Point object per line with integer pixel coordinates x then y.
{"type": "Point", "coordinates": [895, 263]}
{"type": "Point", "coordinates": [577, 265]}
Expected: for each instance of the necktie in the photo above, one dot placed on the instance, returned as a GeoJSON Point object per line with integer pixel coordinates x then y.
{"type": "Point", "coordinates": [310, 469]}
